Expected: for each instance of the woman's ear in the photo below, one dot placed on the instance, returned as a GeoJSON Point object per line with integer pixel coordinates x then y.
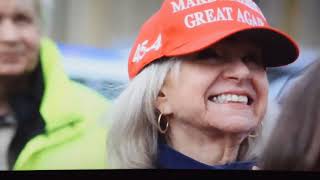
{"type": "Point", "coordinates": [162, 102]}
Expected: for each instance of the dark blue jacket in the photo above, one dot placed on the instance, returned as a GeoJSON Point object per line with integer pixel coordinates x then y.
{"type": "Point", "coordinates": [169, 158]}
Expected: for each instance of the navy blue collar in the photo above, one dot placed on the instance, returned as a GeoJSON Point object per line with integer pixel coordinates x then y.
{"type": "Point", "coordinates": [169, 158]}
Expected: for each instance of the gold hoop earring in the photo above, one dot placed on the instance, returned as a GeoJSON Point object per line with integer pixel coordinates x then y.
{"type": "Point", "coordinates": [253, 135]}
{"type": "Point", "coordinates": [163, 131]}
{"type": "Point", "coordinates": [256, 134]}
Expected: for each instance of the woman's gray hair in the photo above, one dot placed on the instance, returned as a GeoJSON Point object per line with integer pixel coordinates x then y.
{"type": "Point", "coordinates": [133, 137]}
{"type": "Point", "coordinates": [37, 4]}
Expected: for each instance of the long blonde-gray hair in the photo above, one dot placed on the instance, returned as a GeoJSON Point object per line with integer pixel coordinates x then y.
{"type": "Point", "coordinates": [132, 139]}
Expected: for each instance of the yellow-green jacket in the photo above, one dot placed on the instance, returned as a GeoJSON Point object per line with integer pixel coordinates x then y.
{"type": "Point", "coordinates": [65, 130]}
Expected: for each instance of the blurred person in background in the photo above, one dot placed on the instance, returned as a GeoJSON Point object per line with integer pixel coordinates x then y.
{"type": "Point", "coordinates": [294, 142]}
{"type": "Point", "coordinates": [198, 90]}
{"type": "Point", "coordinates": [47, 121]}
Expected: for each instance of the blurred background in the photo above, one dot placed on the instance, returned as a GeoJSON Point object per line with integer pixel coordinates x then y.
{"type": "Point", "coordinates": [95, 36]}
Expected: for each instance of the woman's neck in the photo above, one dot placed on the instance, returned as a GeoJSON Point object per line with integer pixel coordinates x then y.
{"type": "Point", "coordinates": [206, 146]}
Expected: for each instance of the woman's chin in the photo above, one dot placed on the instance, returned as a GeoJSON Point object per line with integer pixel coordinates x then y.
{"type": "Point", "coordinates": [238, 126]}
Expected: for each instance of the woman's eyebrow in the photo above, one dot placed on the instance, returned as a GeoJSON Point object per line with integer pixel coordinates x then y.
{"type": "Point", "coordinates": [209, 52]}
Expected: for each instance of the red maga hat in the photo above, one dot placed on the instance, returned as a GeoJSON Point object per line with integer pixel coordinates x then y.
{"type": "Point", "coordinates": [182, 27]}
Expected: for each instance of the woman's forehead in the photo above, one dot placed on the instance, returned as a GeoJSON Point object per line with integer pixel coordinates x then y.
{"type": "Point", "coordinates": [241, 45]}
{"type": "Point", "coordinates": [21, 6]}
{"type": "Point", "coordinates": [236, 42]}
{"type": "Point", "coordinates": [233, 45]}
{"type": "Point", "coordinates": [28, 5]}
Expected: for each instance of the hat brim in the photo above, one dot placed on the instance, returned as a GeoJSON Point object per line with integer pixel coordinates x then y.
{"type": "Point", "coordinates": [278, 48]}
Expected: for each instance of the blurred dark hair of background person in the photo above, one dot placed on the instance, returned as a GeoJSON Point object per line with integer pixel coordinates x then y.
{"type": "Point", "coordinates": [294, 142]}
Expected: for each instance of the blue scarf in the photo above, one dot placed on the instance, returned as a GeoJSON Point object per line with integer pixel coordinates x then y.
{"type": "Point", "coordinates": [169, 158]}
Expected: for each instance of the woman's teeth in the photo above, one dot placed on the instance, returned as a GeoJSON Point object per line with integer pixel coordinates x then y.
{"type": "Point", "coordinates": [227, 98]}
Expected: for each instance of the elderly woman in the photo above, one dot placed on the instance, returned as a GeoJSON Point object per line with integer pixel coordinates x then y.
{"type": "Point", "coordinates": [198, 88]}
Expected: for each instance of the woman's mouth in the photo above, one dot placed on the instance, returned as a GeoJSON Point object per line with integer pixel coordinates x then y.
{"type": "Point", "coordinates": [231, 98]}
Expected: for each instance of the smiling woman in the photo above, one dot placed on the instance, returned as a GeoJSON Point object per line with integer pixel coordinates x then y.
{"type": "Point", "coordinates": [35, 117]}
{"type": "Point", "coordinates": [19, 37]}
{"type": "Point", "coordinates": [194, 101]}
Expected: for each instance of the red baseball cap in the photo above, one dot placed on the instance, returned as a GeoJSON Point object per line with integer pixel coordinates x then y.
{"type": "Point", "coordinates": [182, 27]}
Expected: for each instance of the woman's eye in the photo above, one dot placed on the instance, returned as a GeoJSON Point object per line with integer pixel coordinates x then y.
{"type": "Point", "coordinates": [254, 59]}
{"type": "Point", "coordinates": [208, 54]}
{"type": "Point", "coordinates": [22, 19]}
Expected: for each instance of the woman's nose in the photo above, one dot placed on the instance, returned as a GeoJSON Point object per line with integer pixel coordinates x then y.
{"type": "Point", "coordinates": [236, 70]}
{"type": "Point", "coordinates": [8, 32]}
